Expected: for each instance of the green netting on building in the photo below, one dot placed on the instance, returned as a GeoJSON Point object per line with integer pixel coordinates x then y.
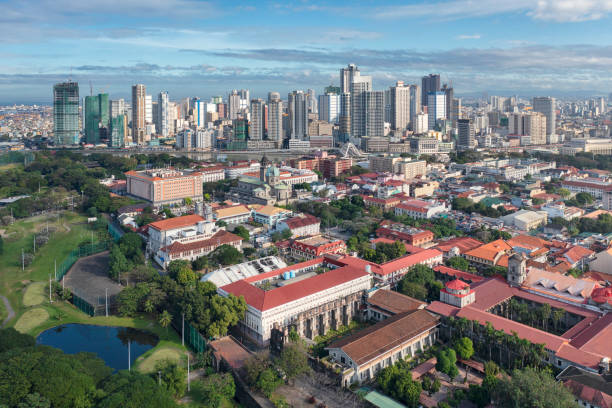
{"type": "Point", "coordinates": [114, 232]}
{"type": "Point", "coordinates": [83, 305]}
{"type": "Point", "coordinates": [195, 339]}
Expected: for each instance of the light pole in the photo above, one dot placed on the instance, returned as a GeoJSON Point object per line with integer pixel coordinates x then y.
{"type": "Point", "coordinates": [106, 303]}
{"type": "Point", "coordinates": [183, 331]}
{"type": "Point", "coordinates": [129, 357]}
{"type": "Point", "coordinates": [22, 261]}
{"type": "Point", "coordinates": [188, 382]}
{"type": "Point", "coordinates": [50, 301]}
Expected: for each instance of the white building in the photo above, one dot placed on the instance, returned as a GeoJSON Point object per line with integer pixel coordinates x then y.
{"type": "Point", "coordinates": [301, 225]}
{"type": "Point", "coordinates": [329, 108]}
{"type": "Point", "coordinates": [420, 208]}
{"type": "Point", "coordinates": [187, 228]}
{"type": "Point", "coordinates": [436, 108]}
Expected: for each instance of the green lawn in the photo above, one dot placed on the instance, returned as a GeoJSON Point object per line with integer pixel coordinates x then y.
{"type": "Point", "coordinates": [68, 235]}
{"type": "Point", "coordinates": [35, 294]}
{"type": "Point", "coordinates": [164, 351]}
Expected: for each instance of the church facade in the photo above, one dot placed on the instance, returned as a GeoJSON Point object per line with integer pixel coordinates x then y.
{"type": "Point", "coordinates": [268, 189]}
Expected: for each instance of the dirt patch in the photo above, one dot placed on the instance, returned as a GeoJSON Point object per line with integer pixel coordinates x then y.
{"type": "Point", "coordinates": [88, 279]}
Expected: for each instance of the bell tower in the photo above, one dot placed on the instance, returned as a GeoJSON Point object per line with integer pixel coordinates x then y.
{"type": "Point", "coordinates": [517, 269]}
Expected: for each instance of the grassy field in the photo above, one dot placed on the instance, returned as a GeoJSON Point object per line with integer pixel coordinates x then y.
{"type": "Point", "coordinates": [70, 231]}
{"type": "Point", "coordinates": [164, 351]}
{"type": "Point", "coordinates": [35, 294]}
{"type": "Point", "coordinates": [31, 319]}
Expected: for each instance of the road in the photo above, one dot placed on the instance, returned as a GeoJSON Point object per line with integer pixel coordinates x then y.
{"type": "Point", "coordinates": [9, 310]}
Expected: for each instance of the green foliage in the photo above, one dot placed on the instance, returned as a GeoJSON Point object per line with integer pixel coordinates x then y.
{"type": "Point", "coordinates": [130, 389]}
{"type": "Point", "coordinates": [11, 338]}
{"type": "Point", "coordinates": [458, 262]}
{"type": "Point", "coordinates": [420, 282]}
{"type": "Point", "coordinates": [532, 388]}
{"type": "Point", "coordinates": [464, 348]}
{"type": "Point", "coordinates": [165, 318]}
{"type": "Point", "coordinates": [242, 232]}
{"type": "Point", "coordinates": [1, 245]}
{"type": "Point", "coordinates": [468, 206]}
{"type": "Point", "coordinates": [226, 255]}
{"type": "Point", "coordinates": [218, 387]}
{"type": "Point", "coordinates": [447, 362]}
{"type": "Point", "coordinates": [286, 233]}
{"type": "Point", "coordinates": [221, 223]}
{"type": "Point", "coordinates": [293, 360]}
{"type": "Point", "coordinates": [396, 381]}
{"type": "Point", "coordinates": [384, 252]}
{"type": "Point", "coordinates": [173, 377]}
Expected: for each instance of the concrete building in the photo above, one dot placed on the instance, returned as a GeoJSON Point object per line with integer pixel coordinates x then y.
{"type": "Point", "coordinates": [436, 108]}
{"type": "Point", "coordinates": [301, 225]}
{"type": "Point", "coordinates": [420, 208]}
{"type": "Point", "coordinates": [138, 114]}
{"type": "Point", "coordinates": [256, 128]}
{"type": "Point", "coordinates": [233, 104]}
{"type": "Point", "coordinates": [346, 77]}
{"type": "Point", "coordinates": [526, 220]}
{"type": "Point", "coordinates": [66, 114]}
{"type": "Point", "coordinates": [164, 186]}
{"type": "Point", "coordinates": [421, 123]}
{"type": "Point", "coordinates": [188, 228]}
{"type": "Point", "coordinates": [275, 119]}
{"type": "Point", "coordinates": [163, 117]}
{"type": "Point", "coordinates": [358, 87]}
{"type": "Point", "coordinates": [415, 105]}
{"type": "Point", "coordinates": [412, 168]}
{"type": "Point", "coordinates": [429, 84]}
{"type": "Point", "coordinates": [298, 116]}
{"type": "Point", "coordinates": [466, 138]}
{"type": "Point", "coordinates": [400, 106]}
{"type": "Point", "coordinates": [329, 108]}
{"type": "Point", "coordinates": [530, 124]}
{"type": "Point", "coordinates": [546, 106]}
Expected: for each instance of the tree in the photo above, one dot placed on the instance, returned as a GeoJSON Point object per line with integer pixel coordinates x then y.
{"type": "Point", "coordinates": [130, 389]}
{"type": "Point", "coordinates": [1, 245]}
{"type": "Point", "coordinates": [584, 198]}
{"type": "Point", "coordinates": [242, 232]}
{"type": "Point", "coordinates": [464, 348]}
{"type": "Point", "coordinates": [221, 223]}
{"type": "Point", "coordinates": [248, 251]}
{"type": "Point", "coordinates": [117, 263]}
{"type": "Point", "coordinates": [532, 388]}
{"type": "Point", "coordinates": [564, 192]}
{"type": "Point", "coordinates": [226, 255]}
{"type": "Point", "coordinates": [286, 234]}
{"type": "Point", "coordinates": [293, 360]}
{"type": "Point", "coordinates": [173, 377]}
{"type": "Point", "coordinates": [186, 276]}
{"type": "Point", "coordinates": [458, 262]}
{"type": "Point", "coordinates": [11, 338]}
{"type": "Point", "coordinates": [165, 319]}
{"type": "Point", "coordinates": [268, 381]}
{"type": "Point", "coordinates": [413, 289]}
{"type": "Point", "coordinates": [218, 387]}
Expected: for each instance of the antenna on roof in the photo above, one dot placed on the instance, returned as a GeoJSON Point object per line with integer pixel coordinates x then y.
{"type": "Point", "coordinates": [90, 89]}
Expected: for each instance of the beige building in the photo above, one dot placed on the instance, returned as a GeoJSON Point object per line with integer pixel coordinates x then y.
{"type": "Point", "coordinates": [412, 168]}
{"type": "Point", "coordinates": [384, 163]}
{"type": "Point", "coordinates": [165, 186]}
{"type": "Point", "coordinates": [138, 114]}
{"type": "Point", "coordinates": [530, 124]}
{"type": "Point", "coordinates": [320, 128]}
{"type": "Point", "coordinates": [595, 146]}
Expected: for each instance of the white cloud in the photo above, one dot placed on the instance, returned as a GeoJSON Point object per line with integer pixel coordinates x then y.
{"type": "Point", "coordinates": [468, 37]}
{"type": "Point", "coordinates": [571, 10]}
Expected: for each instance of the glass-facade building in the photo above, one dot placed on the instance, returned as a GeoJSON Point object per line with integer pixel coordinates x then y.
{"type": "Point", "coordinates": [96, 118]}
{"type": "Point", "coordinates": [66, 113]}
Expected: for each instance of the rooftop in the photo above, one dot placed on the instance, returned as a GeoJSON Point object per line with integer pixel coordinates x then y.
{"type": "Point", "coordinates": [177, 222]}
{"type": "Point", "coordinates": [394, 302]}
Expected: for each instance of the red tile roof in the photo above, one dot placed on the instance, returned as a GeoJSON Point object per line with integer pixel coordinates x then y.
{"type": "Point", "coordinates": [220, 238]}
{"type": "Point", "coordinates": [466, 276]}
{"type": "Point", "coordinates": [266, 300]}
{"type": "Point", "coordinates": [177, 222]}
{"type": "Point", "coordinates": [298, 222]}
{"type": "Point", "coordinates": [456, 284]}
{"type": "Point", "coordinates": [391, 266]}
{"type": "Point", "coordinates": [464, 244]}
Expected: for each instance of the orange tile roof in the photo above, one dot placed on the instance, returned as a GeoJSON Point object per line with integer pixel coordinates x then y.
{"type": "Point", "coordinates": [177, 222]}
{"type": "Point", "coordinates": [490, 251]}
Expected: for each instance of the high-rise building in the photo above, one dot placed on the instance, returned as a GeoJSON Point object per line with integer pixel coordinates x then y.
{"type": "Point", "coordinates": [329, 107]}
{"type": "Point", "coordinates": [374, 113]}
{"type": "Point", "coordinates": [528, 124]}
{"type": "Point", "coordinates": [359, 86]}
{"type": "Point", "coordinates": [199, 113]}
{"type": "Point", "coordinates": [233, 104]}
{"type": "Point", "coordinates": [298, 116]}
{"type": "Point", "coordinates": [96, 118]}
{"type": "Point", "coordinates": [66, 113]}
{"type": "Point", "coordinates": [275, 119]}
{"type": "Point", "coordinates": [546, 106]}
{"type": "Point", "coordinates": [116, 107]}
{"type": "Point", "coordinates": [312, 102]}
{"type": "Point", "coordinates": [421, 123]}
{"type": "Point", "coordinates": [449, 97]}
{"type": "Point", "coordinates": [466, 138]}
{"type": "Point", "coordinates": [429, 84]}
{"type": "Point", "coordinates": [400, 106]}
{"type": "Point", "coordinates": [162, 124]}
{"type": "Point", "coordinates": [415, 104]}
{"type": "Point", "coordinates": [344, 117]}
{"type": "Point", "coordinates": [148, 109]}
{"type": "Point", "coordinates": [346, 77]}
{"type": "Point", "coordinates": [118, 130]}
{"type": "Point", "coordinates": [456, 111]}
{"type": "Point", "coordinates": [138, 113]}
{"type": "Point", "coordinates": [256, 128]}
{"type": "Point", "coordinates": [436, 108]}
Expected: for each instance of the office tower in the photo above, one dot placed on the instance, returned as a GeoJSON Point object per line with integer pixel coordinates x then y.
{"type": "Point", "coordinates": [448, 111]}
{"type": "Point", "coordinates": [138, 113]}
{"type": "Point", "coordinates": [388, 106]}
{"type": "Point", "coordinates": [359, 86]}
{"type": "Point", "coordinates": [96, 118]}
{"type": "Point", "coordinates": [329, 107]}
{"type": "Point", "coordinates": [216, 99]}
{"type": "Point", "coordinates": [233, 104]}
{"type": "Point", "coordinates": [117, 107]}
{"type": "Point", "coordinates": [66, 113]}
{"type": "Point", "coordinates": [162, 124]}
{"type": "Point", "coordinates": [256, 128]}
{"type": "Point", "coordinates": [546, 106]}
{"type": "Point", "coordinates": [456, 110]}
{"type": "Point", "coordinates": [298, 116]}
{"type": "Point", "coordinates": [148, 109]}
{"type": "Point", "coordinates": [415, 104]}
{"type": "Point", "coordinates": [601, 105]}
{"type": "Point", "coordinates": [332, 90]}
{"type": "Point", "coordinates": [374, 113]}
{"type": "Point", "coordinates": [429, 84]}
{"type": "Point", "coordinates": [275, 119]}
{"type": "Point", "coordinates": [118, 132]}
{"type": "Point", "coordinates": [436, 108]}
{"type": "Point", "coordinates": [466, 138]}
{"type": "Point", "coordinates": [344, 117]}
{"type": "Point", "coordinates": [222, 110]}
{"type": "Point", "coordinates": [346, 77]}
{"type": "Point", "coordinates": [400, 106]}
{"type": "Point", "coordinates": [421, 123]}
{"type": "Point", "coordinates": [312, 102]}
{"type": "Point", "coordinates": [199, 113]}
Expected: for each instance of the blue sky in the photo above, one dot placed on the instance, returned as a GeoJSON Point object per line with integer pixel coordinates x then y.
{"type": "Point", "coordinates": [205, 48]}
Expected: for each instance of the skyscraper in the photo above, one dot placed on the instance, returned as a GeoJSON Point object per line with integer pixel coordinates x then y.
{"type": "Point", "coordinates": [546, 106]}
{"type": "Point", "coordinates": [360, 85]}
{"type": "Point", "coordinates": [400, 106]}
{"type": "Point", "coordinates": [449, 96]}
{"type": "Point", "coordinates": [117, 107]}
{"type": "Point", "coordinates": [162, 125]}
{"type": "Point", "coordinates": [66, 113]}
{"type": "Point", "coordinates": [415, 104]}
{"type": "Point", "coordinates": [344, 116]}
{"type": "Point", "coordinates": [298, 116]}
{"type": "Point", "coordinates": [346, 77]}
{"type": "Point", "coordinates": [118, 131]}
{"type": "Point", "coordinates": [275, 119]}
{"type": "Point", "coordinates": [530, 124]}
{"type": "Point", "coordinates": [436, 108]}
{"type": "Point", "coordinates": [312, 102]}
{"type": "Point", "coordinates": [329, 107]}
{"type": "Point", "coordinates": [374, 102]}
{"type": "Point", "coordinates": [429, 83]}
{"type": "Point", "coordinates": [138, 113]}
{"type": "Point", "coordinates": [256, 128]}
{"type": "Point", "coordinates": [466, 139]}
{"type": "Point", "coordinates": [96, 118]}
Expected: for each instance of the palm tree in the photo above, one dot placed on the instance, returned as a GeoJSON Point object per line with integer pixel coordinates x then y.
{"type": "Point", "coordinates": [165, 319]}
{"type": "Point", "coordinates": [489, 337]}
{"type": "Point", "coordinates": [148, 306]}
{"type": "Point", "coordinates": [545, 311]}
{"type": "Point", "coordinates": [557, 316]}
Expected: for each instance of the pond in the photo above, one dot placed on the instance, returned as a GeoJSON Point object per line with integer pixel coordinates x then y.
{"type": "Point", "coordinates": [108, 343]}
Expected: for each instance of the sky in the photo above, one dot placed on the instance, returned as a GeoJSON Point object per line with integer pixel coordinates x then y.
{"type": "Point", "coordinates": [207, 48]}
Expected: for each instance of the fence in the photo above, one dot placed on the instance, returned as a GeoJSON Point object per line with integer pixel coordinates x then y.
{"type": "Point", "coordinates": [195, 339]}
{"type": "Point", "coordinates": [83, 305]}
{"type": "Point", "coordinates": [80, 252]}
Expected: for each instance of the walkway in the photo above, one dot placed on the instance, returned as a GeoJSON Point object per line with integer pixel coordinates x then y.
{"type": "Point", "coordinates": [9, 310]}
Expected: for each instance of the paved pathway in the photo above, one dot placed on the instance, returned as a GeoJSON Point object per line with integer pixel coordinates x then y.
{"type": "Point", "coordinates": [9, 310]}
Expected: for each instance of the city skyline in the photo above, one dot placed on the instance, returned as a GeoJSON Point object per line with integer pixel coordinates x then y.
{"type": "Point", "coordinates": [206, 48]}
